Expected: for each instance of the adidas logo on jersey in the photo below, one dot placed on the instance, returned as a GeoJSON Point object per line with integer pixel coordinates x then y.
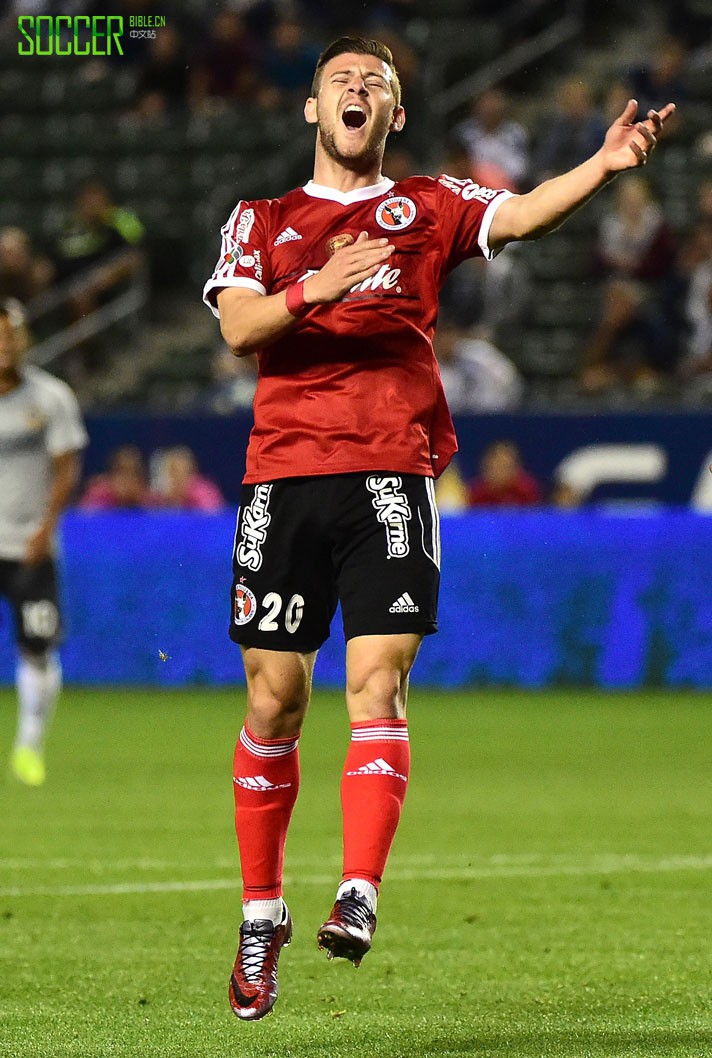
{"type": "Point", "coordinates": [404, 605]}
{"type": "Point", "coordinates": [259, 783]}
{"type": "Point", "coordinates": [288, 235]}
{"type": "Point", "coordinates": [378, 767]}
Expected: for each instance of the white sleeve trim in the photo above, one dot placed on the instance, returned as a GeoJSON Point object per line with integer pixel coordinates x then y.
{"type": "Point", "coordinates": [483, 237]}
{"type": "Point", "coordinates": [218, 284]}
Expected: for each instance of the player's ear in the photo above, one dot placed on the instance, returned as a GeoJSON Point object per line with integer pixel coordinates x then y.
{"type": "Point", "coordinates": [310, 111]}
{"type": "Point", "coordinates": [398, 120]}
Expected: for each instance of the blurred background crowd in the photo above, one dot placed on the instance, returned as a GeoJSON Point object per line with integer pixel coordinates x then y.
{"type": "Point", "coordinates": [116, 174]}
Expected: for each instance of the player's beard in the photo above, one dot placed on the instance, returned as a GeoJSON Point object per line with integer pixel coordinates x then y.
{"type": "Point", "coordinates": [369, 156]}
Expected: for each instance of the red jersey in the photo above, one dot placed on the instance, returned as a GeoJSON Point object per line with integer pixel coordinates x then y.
{"type": "Point", "coordinates": [354, 385]}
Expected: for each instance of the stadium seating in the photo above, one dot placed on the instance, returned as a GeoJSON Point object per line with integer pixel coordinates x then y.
{"type": "Point", "coordinates": [61, 122]}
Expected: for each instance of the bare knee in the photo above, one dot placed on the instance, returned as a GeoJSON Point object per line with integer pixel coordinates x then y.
{"type": "Point", "coordinates": [377, 674]}
{"type": "Point", "coordinates": [278, 691]}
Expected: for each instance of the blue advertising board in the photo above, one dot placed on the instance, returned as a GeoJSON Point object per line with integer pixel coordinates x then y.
{"type": "Point", "coordinates": [643, 457]}
{"type": "Point", "coordinates": [530, 599]}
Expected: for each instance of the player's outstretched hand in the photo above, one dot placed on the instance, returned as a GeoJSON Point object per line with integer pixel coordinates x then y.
{"type": "Point", "coordinates": [629, 143]}
{"type": "Point", "coordinates": [348, 267]}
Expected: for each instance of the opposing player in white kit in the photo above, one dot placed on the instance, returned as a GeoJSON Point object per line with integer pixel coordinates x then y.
{"type": "Point", "coordinates": [41, 438]}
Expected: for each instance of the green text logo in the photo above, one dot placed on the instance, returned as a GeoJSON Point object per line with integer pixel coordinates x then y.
{"type": "Point", "coordinates": [70, 35]}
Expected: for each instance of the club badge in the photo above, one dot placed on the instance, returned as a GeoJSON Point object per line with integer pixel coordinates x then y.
{"type": "Point", "coordinates": [396, 213]}
{"type": "Point", "coordinates": [245, 605]}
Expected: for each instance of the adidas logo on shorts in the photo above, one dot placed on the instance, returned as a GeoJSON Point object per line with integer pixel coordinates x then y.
{"type": "Point", "coordinates": [404, 604]}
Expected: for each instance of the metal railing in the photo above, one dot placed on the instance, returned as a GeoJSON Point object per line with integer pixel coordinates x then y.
{"type": "Point", "coordinates": [125, 306]}
{"type": "Point", "coordinates": [562, 29]}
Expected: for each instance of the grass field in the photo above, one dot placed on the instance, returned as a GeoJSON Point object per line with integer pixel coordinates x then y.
{"type": "Point", "coordinates": [549, 894]}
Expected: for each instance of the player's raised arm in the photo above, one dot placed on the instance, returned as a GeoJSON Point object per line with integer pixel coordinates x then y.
{"type": "Point", "coordinates": [250, 321]}
{"type": "Point", "coordinates": [628, 145]}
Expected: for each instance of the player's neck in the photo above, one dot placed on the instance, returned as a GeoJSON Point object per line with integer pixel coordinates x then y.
{"type": "Point", "coordinates": [330, 173]}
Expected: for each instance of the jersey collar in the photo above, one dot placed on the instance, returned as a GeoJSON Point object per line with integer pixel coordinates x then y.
{"type": "Point", "coordinates": [347, 198]}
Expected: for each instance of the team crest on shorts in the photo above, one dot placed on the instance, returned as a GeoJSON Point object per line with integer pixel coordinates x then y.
{"type": "Point", "coordinates": [245, 605]}
{"type": "Point", "coordinates": [339, 241]}
{"type": "Point", "coordinates": [396, 213]}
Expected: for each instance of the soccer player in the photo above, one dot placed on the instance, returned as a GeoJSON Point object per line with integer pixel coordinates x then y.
{"type": "Point", "coordinates": [336, 286]}
{"type": "Point", "coordinates": [41, 438]}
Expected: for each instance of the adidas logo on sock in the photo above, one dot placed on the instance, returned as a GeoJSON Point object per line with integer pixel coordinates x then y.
{"type": "Point", "coordinates": [378, 767]}
{"type": "Point", "coordinates": [404, 604]}
{"type": "Point", "coordinates": [288, 235]}
{"type": "Point", "coordinates": [258, 782]}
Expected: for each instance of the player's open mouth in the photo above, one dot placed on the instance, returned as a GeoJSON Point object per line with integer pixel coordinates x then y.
{"type": "Point", "coordinates": [353, 117]}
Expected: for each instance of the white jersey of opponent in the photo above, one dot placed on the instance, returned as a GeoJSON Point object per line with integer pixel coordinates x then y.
{"type": "Point", "coordinates": [39, 419]}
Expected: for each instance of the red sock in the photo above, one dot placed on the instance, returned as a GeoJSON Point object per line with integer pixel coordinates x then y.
{"type": "Point", "coordinates": [373, 788]}
{"type": "Point", "coordinates": [266, 782]}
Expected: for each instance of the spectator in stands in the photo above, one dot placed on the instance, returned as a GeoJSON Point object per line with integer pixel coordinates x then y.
{"type": "Point", "coordinates": [659, 77]}
{"type": "Point", "coordinates": [688, 20]}
{"type": "Point", "coordinates": [497, 145]}
{"type": "Point", "coordinates": [479, 293]}
{"type": "Point", "coordinates": [617, 94]}
{"type": "Point", "coordinates": [99, 250]}
{"type": "Point", "coordinates": [503, 481]}
{"type": "Point", "coordinates": [704, 200]}
{"type": "Point", "coordinates": [101, 242]}
{"type": "Point", "coordinates": [182, 487]}
{"type": "Point", "coordinates": [636, 339]}
{"type": "Point", "coordinates": [392, 14]}
{"type": "Point", "coordinates": [573, 129]}
{"type": "Point", "coordinates": [229, 68]}
{"type": "Point", "coordinates": [694, 249]}
{"type": "Point", "coordinates": [23, 272]}
{"type": "Point", "coordinates": [290, 60]}
{"type": "Point", "coordinates": [698, 307]}
{"type": "Point", "coordinates": [163, 83]}
{"type": "Point", "coordinates": [451, 490]}
{"type": "Point", "coordinates": [476, 375]}
{"type": "Point", "coordinates": [123, 486]}
{"type": "Point", "coordinates": [489, 295]}
{"type": "Point", "coordinates": [565, 496]}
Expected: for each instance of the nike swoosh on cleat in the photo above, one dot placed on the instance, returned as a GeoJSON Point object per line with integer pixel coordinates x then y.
{"type": "Point", "coordinates": [241, 999]}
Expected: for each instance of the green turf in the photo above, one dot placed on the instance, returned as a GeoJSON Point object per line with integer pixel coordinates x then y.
{"type": "Point", "coordinates": [549, 892]}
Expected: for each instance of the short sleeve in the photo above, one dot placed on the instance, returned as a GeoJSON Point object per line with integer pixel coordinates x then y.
{"type": "Point", "coordinates": [243, 260]}
{"type": "Point", "coordinates": [466, 210]}
{"type": "Point", "coordinates": [65, 428]}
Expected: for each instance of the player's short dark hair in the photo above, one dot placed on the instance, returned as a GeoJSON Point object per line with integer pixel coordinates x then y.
{"type": "Point", "coordinates": [358, 46]}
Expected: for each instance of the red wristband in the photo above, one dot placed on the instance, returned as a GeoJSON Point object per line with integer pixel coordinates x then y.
{"type": "Point", "coordinates": [296, 305]}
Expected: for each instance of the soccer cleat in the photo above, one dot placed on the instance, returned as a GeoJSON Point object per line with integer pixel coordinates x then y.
{"type": "Point", "coordinates": [347, 933]}
{"type": "Point", "coordinates": [253, 983]}
{"type": "Point", "coordinates": [27, 765]}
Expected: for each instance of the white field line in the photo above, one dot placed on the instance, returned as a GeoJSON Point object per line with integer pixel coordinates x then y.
{"type": "Point", "coordinates": [229, 862]}
{"type": "Point", "coordinates": [595, 866]}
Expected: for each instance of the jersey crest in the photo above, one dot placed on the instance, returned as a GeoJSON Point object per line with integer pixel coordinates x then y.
{"type": "Point", "coordinates": [396, 213]}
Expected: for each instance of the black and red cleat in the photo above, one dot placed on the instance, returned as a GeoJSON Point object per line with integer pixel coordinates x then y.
{"type": "Point", "coordinates": [348, 931]}
{"type": "Point", "coordinates": [253, 983]}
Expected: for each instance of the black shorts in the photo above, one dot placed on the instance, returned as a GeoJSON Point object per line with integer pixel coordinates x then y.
{"type": "Point", "coordinates": [370, 541]}
{"type": "Point", "coordinates": [34, 599]}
